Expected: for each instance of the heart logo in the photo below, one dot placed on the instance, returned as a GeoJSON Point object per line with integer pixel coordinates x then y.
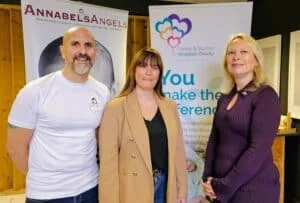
{"type": "Point", "coordinates": [173, 41]}
{"type": "Point", "coordinates": [159, 26]}
{"type": "Point", "coordinates": [166, 33]}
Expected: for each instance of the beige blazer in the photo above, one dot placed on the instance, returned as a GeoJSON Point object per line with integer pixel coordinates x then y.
{"type": "Point", "coordinates": [125, 159]}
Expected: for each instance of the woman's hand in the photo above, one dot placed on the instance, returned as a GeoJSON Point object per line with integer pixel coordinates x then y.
{"type": "Point", "coordinates": [190, 165]}
{"type": "Point", "coordinates": [208, 190]}
{"type": "Point", "coordinates": [181, 200]}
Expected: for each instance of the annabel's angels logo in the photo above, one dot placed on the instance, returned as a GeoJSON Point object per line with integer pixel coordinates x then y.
{"type": "Point", "coordinates": [73, 16]}
{"type": "Point", "coordinates": [173, 29]}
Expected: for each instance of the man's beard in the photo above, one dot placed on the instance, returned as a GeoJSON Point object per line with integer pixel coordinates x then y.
{"type": "Point", "coordinates": [82, 69]}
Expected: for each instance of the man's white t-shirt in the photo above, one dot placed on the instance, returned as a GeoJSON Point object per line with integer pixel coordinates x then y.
{"type": "Point", "coordinates": [64, 116]}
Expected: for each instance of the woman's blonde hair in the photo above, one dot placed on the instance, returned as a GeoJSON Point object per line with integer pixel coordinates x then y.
{"type": "Point", "coordinates": [141, 57]}
{"type": "Point", "coordinates": [259, 75]}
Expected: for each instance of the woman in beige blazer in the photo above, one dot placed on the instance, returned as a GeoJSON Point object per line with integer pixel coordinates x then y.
{"type": "Point", "coordinates": [142, 156]}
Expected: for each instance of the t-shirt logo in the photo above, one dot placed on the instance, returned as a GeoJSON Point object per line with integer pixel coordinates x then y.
{"type": "Point", "coordinates": [95, 105]}
{"type": "Point", "coordinates": [94, 100]}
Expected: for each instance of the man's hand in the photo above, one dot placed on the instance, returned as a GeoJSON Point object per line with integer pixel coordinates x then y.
{"type": "Point", "coordinates": [18, 140]}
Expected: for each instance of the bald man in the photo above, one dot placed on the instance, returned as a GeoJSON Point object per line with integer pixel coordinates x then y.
{"type": "Point", "coordinates": [52, 127]}
{"type": "Point", "coordinates": [50, 61]}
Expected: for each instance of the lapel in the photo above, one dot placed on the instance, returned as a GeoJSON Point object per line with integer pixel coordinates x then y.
{"type": "Point", "coordinates": [138, 128]}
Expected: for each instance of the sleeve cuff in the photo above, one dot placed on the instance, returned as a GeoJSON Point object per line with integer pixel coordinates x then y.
{"type": "Point", "coordinates": [222, 191]}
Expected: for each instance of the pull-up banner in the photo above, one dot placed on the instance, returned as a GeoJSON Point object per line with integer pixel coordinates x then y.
{"type": "Point", "coordinates": [191, 39]}
{"type": "Point", "coordinates": [45, 22]}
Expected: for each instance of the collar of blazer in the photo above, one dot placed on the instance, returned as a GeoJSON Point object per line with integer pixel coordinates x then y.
{"type": "Point", "coordinates": [138, 128]}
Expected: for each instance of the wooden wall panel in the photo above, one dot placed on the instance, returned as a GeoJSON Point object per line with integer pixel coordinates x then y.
{"type": "Point", "coordinates": [18, 58]}
{"type": "Point", "coordinates": [137, 36]}
{"type": "Point", "coordinates": [12, 78]}
{"type": "Point", "coordinates": [278, 150]}
{"type": "Point", "coordinates": [6, 94]}
{"type": "Point", "coordinates": [18, 74]}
